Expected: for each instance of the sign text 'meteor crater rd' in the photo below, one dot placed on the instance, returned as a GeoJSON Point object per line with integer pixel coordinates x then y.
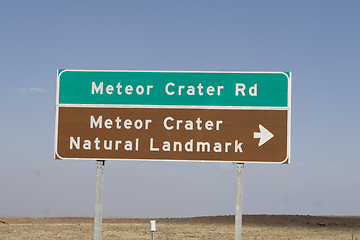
{"type": "Point", "coordinates": [171, 89]}
{"type": "Point", "coordinates": [174, 88]}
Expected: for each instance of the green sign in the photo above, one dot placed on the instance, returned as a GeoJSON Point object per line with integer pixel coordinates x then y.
{"type": "Point", "coordinates": [167, 88]}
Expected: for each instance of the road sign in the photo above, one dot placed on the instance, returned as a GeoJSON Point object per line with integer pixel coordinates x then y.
{"type": "Point", "coordinates": [172, 116]}
{"type": "Point", "coordinates": [261, 89]}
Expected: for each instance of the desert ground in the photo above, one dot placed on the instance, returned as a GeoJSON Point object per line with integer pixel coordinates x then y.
{"type": "Point", "coordinates": [208, 228]}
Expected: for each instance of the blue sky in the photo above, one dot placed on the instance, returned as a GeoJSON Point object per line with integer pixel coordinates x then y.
{"type": "Point", "coordinates": [318, 41]}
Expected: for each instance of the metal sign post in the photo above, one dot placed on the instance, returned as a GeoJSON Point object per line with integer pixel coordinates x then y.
{"type": "Point", "coordinates": [239, 199]}
{"type": "Point", "coordinates": [100, 165]}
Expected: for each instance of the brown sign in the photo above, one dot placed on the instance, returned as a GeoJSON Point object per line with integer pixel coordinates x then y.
{"type": "Point", "coordinates": [172, 134]}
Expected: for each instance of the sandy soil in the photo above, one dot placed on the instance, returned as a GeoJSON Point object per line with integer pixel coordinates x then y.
{"type": "Point", "coordinates": [207, 228]}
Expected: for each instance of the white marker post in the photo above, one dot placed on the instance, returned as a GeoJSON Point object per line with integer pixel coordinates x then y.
{"type": "Point", "coordinates": [100, 165]}
{"type": "Point", "coordinates": [152, 228]}
{"type": "Point", "coordinates": [239, 198]}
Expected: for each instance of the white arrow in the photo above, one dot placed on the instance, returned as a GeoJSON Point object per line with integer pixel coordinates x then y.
{"type": "Point", "coordinates": [264, 135]}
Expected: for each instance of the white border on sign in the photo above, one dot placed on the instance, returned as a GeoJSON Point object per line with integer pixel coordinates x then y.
{"type": "Point", "coordinates": [288, 108]}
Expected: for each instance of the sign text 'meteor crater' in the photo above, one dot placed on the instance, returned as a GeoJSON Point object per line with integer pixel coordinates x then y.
{"type": "Point", "coordinates": [173, 134]}
{"type": "Point", "coordinates": [174, 88]}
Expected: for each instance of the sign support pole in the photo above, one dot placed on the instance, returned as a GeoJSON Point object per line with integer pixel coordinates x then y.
{"type": "Point", "coordinates": [239, 199]}
{"type": "Point", "coordinates": [100, 165]}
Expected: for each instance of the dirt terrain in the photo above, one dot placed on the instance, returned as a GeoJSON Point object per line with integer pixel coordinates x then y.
{"type": "Point", "coordinates": [208, 228]}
